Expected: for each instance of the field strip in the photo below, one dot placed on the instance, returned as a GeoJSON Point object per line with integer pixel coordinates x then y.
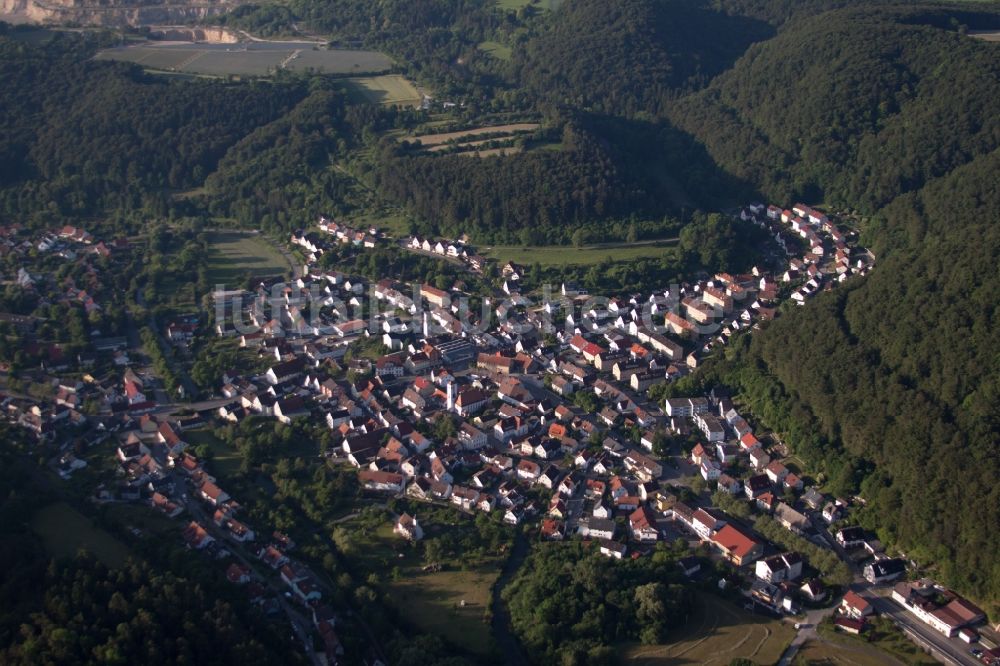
{"type": "Point", "coordinates": [190, 60]}
{"type": "Point", "coordinates": [436, 139]}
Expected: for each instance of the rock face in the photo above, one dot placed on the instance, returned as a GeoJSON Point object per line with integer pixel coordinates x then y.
{"type": "Point", "coordinates": [180, 33]}
{"type": "Point", "coordinates": [113, 13]}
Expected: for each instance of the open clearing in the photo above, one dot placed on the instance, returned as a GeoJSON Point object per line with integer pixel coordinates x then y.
{"type": "Point", "coordinates": [497, 50]}
{"type": "Point", "coordinates": [492, 152]}
{"type": "Point", "coordinates": [254, 59]}
{"type": "Point", "coordinates": [385, 89]}
{"type": "Point", "coordinates": [235, 254]}
{"type": "Point", "coordinates": [64, 531]}
{"type": "Point", "coordinates": [716, 633]}
{"type": "Point", "coordinates": [432, 603]}
{"type": "Point", "coordinates": [225, 460]}
{"type": "Point", "coordinates": [564, 255]}
{"type": "Point", "coordinates": [550, 5]}
{"type": "Point", "coordinates": [986, 35]}
{"type": "Point", "coordinates": [496, 132]}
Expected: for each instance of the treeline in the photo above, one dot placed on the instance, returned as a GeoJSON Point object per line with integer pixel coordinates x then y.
{"type": "Point", "coordinates": [569, 604]}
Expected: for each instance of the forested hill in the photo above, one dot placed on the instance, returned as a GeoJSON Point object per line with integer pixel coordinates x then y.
{"type": "Point", "coordinates": [633, 56]}
{"type": "Point", "coordinates": [853, 107]}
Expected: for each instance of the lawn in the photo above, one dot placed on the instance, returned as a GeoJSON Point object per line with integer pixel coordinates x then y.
{"type": "Point", "coordinates": [386, 89]}
{"type": "Point", "coordinates": [497, 50]}
{"type": "Point", "coordinates": [225, 460]}
{"type": "Point", "coordinates": [882, 643]}
{"type": "Point", "coordinates": [235, 254]}
{"type": "Point", "coordinates": [564, 255]}
{"type": "Point", "coordinates": [432, 602]}
{"type": "Point", "coordinates": [64, 531]}
{"type": "Point", "coordinates": [550, 5]}
{"type": "Point", "coordinates": [717, 632]}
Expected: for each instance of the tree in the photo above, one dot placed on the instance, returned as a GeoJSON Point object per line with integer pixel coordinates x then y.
{"type": "Point", "coordinates": [578, 238]}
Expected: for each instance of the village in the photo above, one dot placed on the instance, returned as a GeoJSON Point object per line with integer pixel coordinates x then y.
{"type": "Point", "coordinates": [535, 409]}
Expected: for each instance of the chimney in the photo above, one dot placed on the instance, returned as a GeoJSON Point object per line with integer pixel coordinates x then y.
{"type": "Point", "coordinates": [451, 396]}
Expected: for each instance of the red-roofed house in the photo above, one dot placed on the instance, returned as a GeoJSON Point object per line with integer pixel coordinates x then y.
{"type": "Point", "coordinates": [737, 546]}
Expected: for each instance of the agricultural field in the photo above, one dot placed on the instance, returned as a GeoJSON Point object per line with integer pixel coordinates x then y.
{"type": "Point", "coordinates": [716, 633]}
{"type": "Point", "coordinates": [235, 254]}
{"type": "Point", "coordinates": [64, 531]}
{"type": "Point", "coordinates": [255, 59]}
{"type": "Point", "coordinates": [385, 89]}
{"type": "Point", "coordinates": [492, 152]}
{"type": "Point", "coordinates": [494, 132]}
{"type": "Point", "coordinates": [564, 255]}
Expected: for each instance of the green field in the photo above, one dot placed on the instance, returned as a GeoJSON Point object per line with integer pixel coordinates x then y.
{"type": "Point", "coordinates": [550, 5]}
{"type": "Point", "coordinates": [432, 602]}
{"type": "Point", "coordinates": [386, 89]}
{"type": "Point", "coordinates": [882, 643]}
{"type": "Point", "coordinates": [564, 255]}
{"type": "Point", "coordinates": [234, 254]}
{"type": "Point", "coordinates": [717, 632]}
{"type": "Point", "coordinates": [248, 60]}
{"type": "Point", "coordinates": [64, 531]}
{"type": "Point", "coordinates": [497, 50]}
{"type": "Point", "coordinates": [225, 460]}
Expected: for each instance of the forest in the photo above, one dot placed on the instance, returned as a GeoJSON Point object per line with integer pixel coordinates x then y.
{"type": "Point", "coordinates": [569, 605]}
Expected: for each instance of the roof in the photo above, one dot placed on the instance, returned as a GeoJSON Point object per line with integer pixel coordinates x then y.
{"type": "Point", "coordinates": [735, 540]}
{"type": "Point", "coordinates": [854, 600]}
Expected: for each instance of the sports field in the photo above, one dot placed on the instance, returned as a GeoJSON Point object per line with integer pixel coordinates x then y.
{"type": "Point", "coordinates": [254, 59]}
{"type": "Point", "coordinates": [385, 89]}
{"type": "Point", "coordinates": [235, 254]}
{"type": "Point", "coordinates": [717, 632]}
{"type": "Point", "coordinates": [64, 531]}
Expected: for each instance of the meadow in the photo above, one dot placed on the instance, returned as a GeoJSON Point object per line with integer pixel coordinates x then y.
{"type": "Point", "coordinates": [234, 254]}
{"type": "Point", "coordinates": [565, 255]}
{"type": "Point", "coordinates": [64, 531]}
{"type": "Point", "coordinates": [385, 89]}
{"type": "Point", "coordinates": [716, 633]}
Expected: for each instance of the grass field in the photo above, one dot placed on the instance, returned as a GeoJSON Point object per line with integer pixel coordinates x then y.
{"type": "Point", "coordinates": [225, 460]}
{"type": "Point", "coordinates": [258, 59]}
{"type": "Point", "coordinates": [540, 4]}
{"type": "Point", "coordinates": [64, 531]}
{"type": "Point", "coordinates": [432, 603]}
{"type": "Point", "coordinates": [385, 89]}
{"type": "Point", "coordinates": [716, 633]}
{"type": "Point", "coordinates": [235, 254]}
{"type": "Point", "coordinates": [497, 50]}
{"type": "Point", "coordinates": [495, 131]}
{"type": "Point", "coordinates": [883, 643]}
{"type": "Point", "coordinates": [564, 255]}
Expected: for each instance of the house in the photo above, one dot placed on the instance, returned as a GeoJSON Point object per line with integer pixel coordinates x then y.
{"type": "Point", "coordinates": [850, 537]}
{"type": "Point", "coordinates": [791, 519]}
{"type": "Point", "coordinates": [598, 528]}
{"type": "Point", "coordinates": [552, 530]}
{"type": "Point", "coordinates": [379, 481]}
{"type": "Point", "coordinates": [737, 546]}
{"type": "Point", "coordinates": [196, 536]}
{"type": "Point", "coordinates": [853, 605]}
{"type": "Point", "coordinates": [849, 625]}
{"type": "Point", "coordinates": [883, 571]}
{"type": "Point", "coordinates": [779, 568]}
{"type": "Point", "coordinates": [813, 590]}
{"type": "Point", "coordinates": [942, 609]}
{"type": "Point", "coordinates": [408, 528]}
{"type": "Point", "coordinates": [212, 493]}
{"type": "Point", "coordinates": [238, 573]}
{"type": "Point", "coordinates": [642, 525]}
{"type": "Point", "coordinates": [613, 549]}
